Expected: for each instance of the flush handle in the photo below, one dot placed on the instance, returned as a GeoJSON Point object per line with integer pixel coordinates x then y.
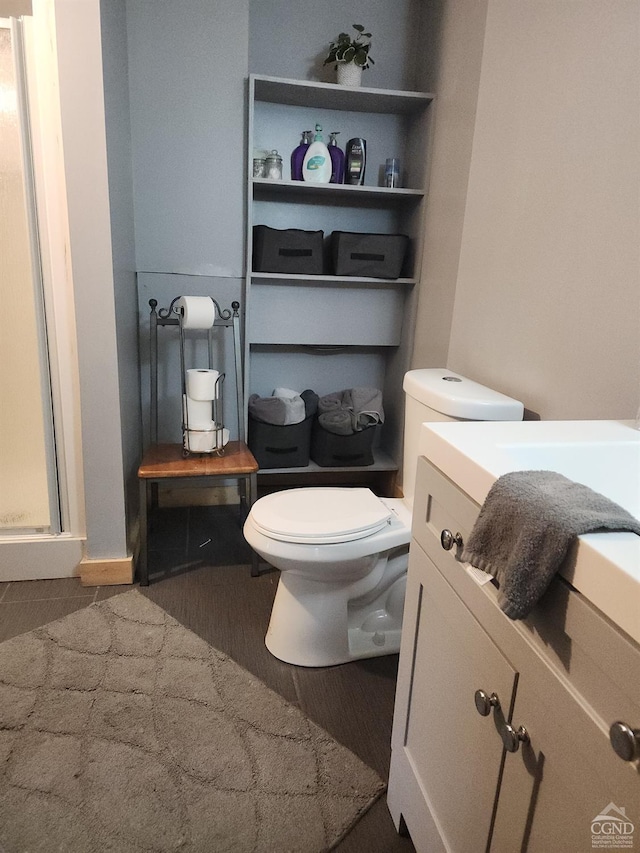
{"type": "Point", "coordinates": [448, 539]}
{"type": "Point", "coordinates": [625, 741]}
{"type": "Point", "coordinates": [485, 702]}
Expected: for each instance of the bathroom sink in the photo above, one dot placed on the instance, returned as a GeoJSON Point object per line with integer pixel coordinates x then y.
{"type": "Point", "coordinates": [606, 466]}
{"type": "Point", "coordinates": [604, 455]}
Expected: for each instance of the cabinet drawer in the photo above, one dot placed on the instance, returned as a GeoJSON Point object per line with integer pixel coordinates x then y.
{"type": "Point", "coordinates": [439, 505]}
{"type": "Point", "coordinates": [602, 663]}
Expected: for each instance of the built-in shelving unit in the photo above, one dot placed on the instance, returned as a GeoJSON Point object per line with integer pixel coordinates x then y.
{"type": "Point", "coordinates": [263, 187]}
{"type": "Point", "coordinates": [333, 280]}
{"type": "Point", "coordinates": [331, 332]}
{"type": "Point", "coordinates": [328, 96]}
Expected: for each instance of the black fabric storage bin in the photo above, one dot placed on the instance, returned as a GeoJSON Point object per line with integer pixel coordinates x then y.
{"type": "Point", "coordinates": [375, 255]}
{"type": "Point", "coordinates": [339, 451]}
{"type": "Point", "coordinates": [289, 251]}
{"type": "Point", "coordinates": [280, 446]}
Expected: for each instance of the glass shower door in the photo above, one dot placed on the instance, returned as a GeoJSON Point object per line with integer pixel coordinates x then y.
{"type": "Point", "coordinates": [29, 495]}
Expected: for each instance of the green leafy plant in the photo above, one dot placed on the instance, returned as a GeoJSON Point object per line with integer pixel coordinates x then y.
{"type": "Point", "coordinates": [351, 49]}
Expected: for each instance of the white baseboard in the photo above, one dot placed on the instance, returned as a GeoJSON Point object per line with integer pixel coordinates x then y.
{"type": "Point", "coordinates": [40, 558]}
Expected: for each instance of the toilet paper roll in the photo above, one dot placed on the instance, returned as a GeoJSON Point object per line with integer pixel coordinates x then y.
{"type": "Point", "coordinates": [206, 441]}
{"type": "Point", "coordinates": [198, 312]}
{"type": "Point", "coordinates": [199, 441]}
{"type": "Point", "coordinates": [201, 383]}
{"type": "Point", "coordinates": [197, 413]}
{"type": "Point", "coordinates": [222, 437]}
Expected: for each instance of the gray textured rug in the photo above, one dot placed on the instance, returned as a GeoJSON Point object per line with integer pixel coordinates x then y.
{"type": "Point", "coordinates": [120, 730]}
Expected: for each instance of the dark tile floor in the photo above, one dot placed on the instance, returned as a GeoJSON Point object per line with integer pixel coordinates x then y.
{"type": "Point", "coordinates": [200, 575]}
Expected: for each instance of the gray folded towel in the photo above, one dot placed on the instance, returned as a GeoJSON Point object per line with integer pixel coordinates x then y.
{"type": "Point", "coordinates": [366, 406]}
{"type": "Point", "coordinates": [363, 404]}
{"type": "Point", "coordinates": [338, 422]}
{"type": "Point", "coordinates": [279, 411]}
{"type": "Point", "coordinates": [330, 402]}
{"type": "Point", "coordinates": [268, 410]}
{"type": "Point", "coordinates": [294, 410]}
{"type": "Point", "coordinates": [526, 526]}
{"type": "Point", "coordinates": [294, 405]}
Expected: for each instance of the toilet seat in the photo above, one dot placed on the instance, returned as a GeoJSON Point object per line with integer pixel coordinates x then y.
{"type": "Point", "coordinates": [320, 516]}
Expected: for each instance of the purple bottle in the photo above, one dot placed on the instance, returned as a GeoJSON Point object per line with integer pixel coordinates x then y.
{"type": "Point", "coordinates": [297, 155]}
{"type": "Point", "coordinates": [337, 159]}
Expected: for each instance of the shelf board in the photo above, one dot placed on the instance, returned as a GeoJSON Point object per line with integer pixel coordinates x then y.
{"type": "Point", "coordinates": [381, 462]}
{"type": "Point", "coordinates": [268, 186]}
{"type": "Point", "coordinates": [335, 280]}
{"type": "Point", "coordinates": [305, 93]}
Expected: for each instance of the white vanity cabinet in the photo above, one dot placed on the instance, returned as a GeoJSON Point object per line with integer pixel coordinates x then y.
{"type": "Point", "coordinates": [551, 685]}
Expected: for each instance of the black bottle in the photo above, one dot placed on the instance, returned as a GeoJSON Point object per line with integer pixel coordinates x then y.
{"type": "Point", "coordinates": [356, 159]}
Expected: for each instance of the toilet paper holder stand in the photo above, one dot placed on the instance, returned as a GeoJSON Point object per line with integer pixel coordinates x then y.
{"type": "Point", "coordinates": [164, 463]}
{"type": "Point", "coordinates": [196, 440]}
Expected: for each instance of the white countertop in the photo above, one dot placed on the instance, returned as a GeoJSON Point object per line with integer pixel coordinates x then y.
{"type": "Point", "coordinates": [604, 455]}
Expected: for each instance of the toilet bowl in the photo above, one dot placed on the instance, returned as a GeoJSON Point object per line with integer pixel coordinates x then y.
{"type": "Point", "coordinates": [343, 552]}
{"type": "Point", "coordinates": [343, 557]}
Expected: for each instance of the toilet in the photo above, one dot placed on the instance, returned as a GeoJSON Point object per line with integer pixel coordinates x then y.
{"type": "Point", "coordinates": [343, 552]}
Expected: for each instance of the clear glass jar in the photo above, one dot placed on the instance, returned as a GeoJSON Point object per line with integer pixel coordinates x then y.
{"type": "Point", "coordinates": [273, 166]}
{"type": "Point", "coordinates": [259, 167]}
{"type": "Point", "coordinates": [392, 172]}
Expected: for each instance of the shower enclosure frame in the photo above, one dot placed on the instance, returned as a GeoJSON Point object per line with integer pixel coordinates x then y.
{"type": "Point", "coordinates": [27, 553]}
{"type": "Point", "coordinates": [16, 30]}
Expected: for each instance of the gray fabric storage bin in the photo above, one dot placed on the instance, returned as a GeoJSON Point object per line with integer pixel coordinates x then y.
{"type": "Point", "coordinates": [280, 446]}
{"type": "Point", "coordinates": [290, 250]}
{"type": "Point", "coordinates": [342, 451]}
{"type": "Point", "coordinates": [375, 255]}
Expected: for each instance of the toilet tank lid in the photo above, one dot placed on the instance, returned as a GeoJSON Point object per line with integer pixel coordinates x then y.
{"type": "Point", "coordinates": [457, 397]}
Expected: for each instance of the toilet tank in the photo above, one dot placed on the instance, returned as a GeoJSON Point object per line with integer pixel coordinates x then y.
{"type": "Point", "coordinates": [436, 394]}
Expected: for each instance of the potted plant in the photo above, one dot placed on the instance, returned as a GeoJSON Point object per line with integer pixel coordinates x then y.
{"type": "Point", "coordinates": [350, 56]}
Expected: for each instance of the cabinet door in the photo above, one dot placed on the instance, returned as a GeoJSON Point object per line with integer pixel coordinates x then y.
{"type": "Point", "coordinates": [452, 753]}
{"type": "Point", "coordinates": [556, 785]}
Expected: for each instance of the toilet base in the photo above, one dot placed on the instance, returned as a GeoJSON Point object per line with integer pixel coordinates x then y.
{"type": "Point", "coordinates": [362, 644]}
{"type": "Point", "coordinates": [313, 627]}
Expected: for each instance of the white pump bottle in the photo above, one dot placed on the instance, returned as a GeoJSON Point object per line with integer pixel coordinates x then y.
{"type": "Point", "coordinates": [316, 166]}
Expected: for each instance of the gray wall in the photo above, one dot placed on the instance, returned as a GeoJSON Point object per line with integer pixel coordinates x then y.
{"type": "Point", "coordinates": [453, 59]}
{"type": "Point", "coordinates": [288, 38]}
{"type": "Point", "coordinates": [537, 237]}
{"type": "Point", "coordinates": [187, 77]}
{"type": "Point", "coordinates": [187, 68]}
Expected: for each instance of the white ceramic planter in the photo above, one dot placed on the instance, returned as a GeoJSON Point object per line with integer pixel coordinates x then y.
{"type": "Point", "coordinates": [349, 74]}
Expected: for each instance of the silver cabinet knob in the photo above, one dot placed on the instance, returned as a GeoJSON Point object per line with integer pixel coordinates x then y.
{"type": "Point", "coordinates": [448, 539]}
{"type": "Point", "coordinates": [512, 738]}
{"type": "Point", "coordinates": [625, 741]}
{"type": "Point", "coordinates": [485, 702]}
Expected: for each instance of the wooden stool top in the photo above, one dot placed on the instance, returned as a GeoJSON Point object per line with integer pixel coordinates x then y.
{"type": "Point", "coordinates": [164, 461]}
